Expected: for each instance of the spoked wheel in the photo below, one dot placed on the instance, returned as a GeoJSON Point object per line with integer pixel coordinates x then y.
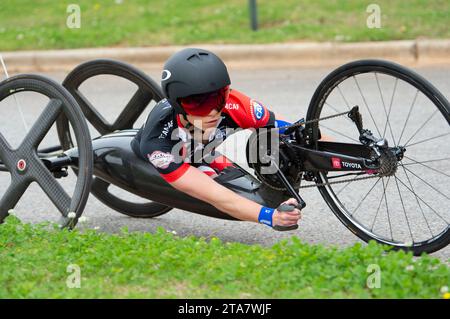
{"type": "Point", "coordinates": [406, 205]}
{"type": "Point", "coordinates": [24, 163]}
{"type": "Point", "coordinates": [147, 91]}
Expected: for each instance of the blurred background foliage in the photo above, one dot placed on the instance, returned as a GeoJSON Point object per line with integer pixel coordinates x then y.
{"type": "Point", "coordinates": [41, 24]}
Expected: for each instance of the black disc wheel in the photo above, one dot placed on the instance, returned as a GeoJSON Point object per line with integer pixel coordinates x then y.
{"type": "Point", "coordinates": [406, 203]}
{"type": "Point", "coordinates": [25, 164]}
{"type": "Point", "coordinates": [146, 92]}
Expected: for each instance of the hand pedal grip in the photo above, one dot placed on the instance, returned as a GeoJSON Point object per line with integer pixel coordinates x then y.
{"type": "Point", "coordinates": [285, 208]}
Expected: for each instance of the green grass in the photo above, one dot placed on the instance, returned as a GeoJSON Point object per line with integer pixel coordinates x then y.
{"type": "Point", "coordinates": [41, 24]}
{"type": "Point", "coordinates": [34, 261]}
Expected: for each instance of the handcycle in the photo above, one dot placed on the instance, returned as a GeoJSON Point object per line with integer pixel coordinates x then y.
{"type": "Point", "coordinates": [384, 174]}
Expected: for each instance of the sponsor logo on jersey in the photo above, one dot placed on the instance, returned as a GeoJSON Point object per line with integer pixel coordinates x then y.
{"type": "Point", "coordinates": [258, 110]}
{"type": "Point", "coordinates": [217, 134]}
{"type": "Point", "coordinates": [160, 159]}
{"type": "Point", "coordinates": [166, 129]}
{"type": "Point", "coordinates": [232, 106]}
{"type": "Point", "coordinates": [220, 134]}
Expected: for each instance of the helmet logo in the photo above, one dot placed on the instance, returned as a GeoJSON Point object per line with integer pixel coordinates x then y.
{"type": "Point", "coordinates": [166, 74]}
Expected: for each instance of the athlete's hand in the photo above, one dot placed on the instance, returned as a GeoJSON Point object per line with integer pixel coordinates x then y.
{"type": "Point", "coordinates": [287, 218]}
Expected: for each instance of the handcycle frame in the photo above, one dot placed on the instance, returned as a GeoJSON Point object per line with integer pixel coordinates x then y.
{"type": "Point", "coordinates": [302, 154]}
{"type": "Point", "coordinates": [116, 163]}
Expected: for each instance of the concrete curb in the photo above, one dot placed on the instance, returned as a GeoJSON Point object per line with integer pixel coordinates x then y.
{"type": "Point", "coordinates": [268, 55]}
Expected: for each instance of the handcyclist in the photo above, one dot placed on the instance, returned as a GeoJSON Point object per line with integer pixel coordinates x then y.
{"type": "Point", "coordinates": [199, 110]}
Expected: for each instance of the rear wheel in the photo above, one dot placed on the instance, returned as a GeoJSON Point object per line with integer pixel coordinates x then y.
{"type": "Point", "coordinates": [146, 92]}
{"type": "Point", "coordinates": [409, 207]}
{"type": "Point", "coordinates": [26, 164]}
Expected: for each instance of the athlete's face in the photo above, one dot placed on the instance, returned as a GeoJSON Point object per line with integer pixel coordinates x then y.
{"type": "Point", "coordinates": [205, 122]}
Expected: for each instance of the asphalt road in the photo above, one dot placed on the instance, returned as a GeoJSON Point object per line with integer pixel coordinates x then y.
{"type": "Point", "coordinates": [287, 92]}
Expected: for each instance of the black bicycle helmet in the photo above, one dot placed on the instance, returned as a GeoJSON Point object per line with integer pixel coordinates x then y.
{"type": "Point", "coordinates": [192, 71]}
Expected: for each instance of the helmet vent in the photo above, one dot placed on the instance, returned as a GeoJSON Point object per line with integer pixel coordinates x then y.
{"type": "Point", "coordinates": [192, 57]}
{"type": "Point", "coordinates": [197, 55]}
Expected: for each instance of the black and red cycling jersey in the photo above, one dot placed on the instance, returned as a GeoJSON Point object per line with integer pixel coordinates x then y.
{"type": "Point", "coordinates": [170, 148]}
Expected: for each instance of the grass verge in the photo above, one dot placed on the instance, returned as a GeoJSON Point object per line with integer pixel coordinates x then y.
{"type": "Point", "coordinates": [35, 260]}
{"type": "Point", "coordinates": [41, 24]}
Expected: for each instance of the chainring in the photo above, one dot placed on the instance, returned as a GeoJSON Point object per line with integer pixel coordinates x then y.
{"type": "Point", "coordinates": [259, 147]}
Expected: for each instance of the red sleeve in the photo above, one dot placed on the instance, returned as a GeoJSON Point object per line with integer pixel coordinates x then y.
{"type": "Point", "coordinates": [246, 112]}
{"type": "Point", "coordinates": [176, 174]}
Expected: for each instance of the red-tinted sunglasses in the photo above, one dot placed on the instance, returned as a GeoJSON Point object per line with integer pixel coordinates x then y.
{"type": "Point", "coordinates": [203, 104]}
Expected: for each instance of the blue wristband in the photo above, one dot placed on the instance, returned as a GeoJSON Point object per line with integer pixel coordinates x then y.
{"type": "Point", "coordinates": [280, 123]}
{"type": "Point", "coordinates": [265, 216]}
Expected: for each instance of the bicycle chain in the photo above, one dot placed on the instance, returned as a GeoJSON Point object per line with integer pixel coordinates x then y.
{"type": "Point", "coordinates": [328, 183]}
{"type": "Point", "coordinates": [314, 121]}
{"type": "Point", "coordinates": [339, 182]}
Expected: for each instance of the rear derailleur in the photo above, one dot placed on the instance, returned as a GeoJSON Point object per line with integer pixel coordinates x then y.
{"type": "Point", "coordinates": [384, 156]}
